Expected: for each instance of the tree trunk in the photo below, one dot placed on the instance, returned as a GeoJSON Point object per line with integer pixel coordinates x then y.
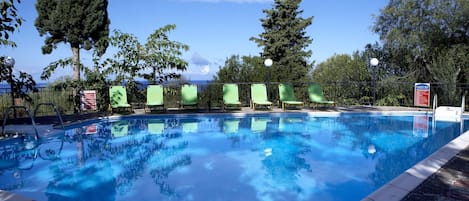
{"type": "Point", "coordinates": [76, 77]}
{"type": "Point", "coordinates": [76, 63]}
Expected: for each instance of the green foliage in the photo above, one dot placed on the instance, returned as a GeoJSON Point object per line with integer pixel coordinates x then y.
{"type": "Point", "coordinates": [126, 62]}
{"type": "Point", "coordinates": [49, 69]}
{"type": "Point", "coordinates": [420, 34]}
{"type": "Point", "coordinates": [349, 75]}
{"type": "Point", "coordinates": [20, 84]}
{"type": "Point", "coordinates": [284, 41]}
{"type": "Point", "coordinates": [9, 21]}
{"type": "Point", "coordinates": [83, 24]}
{"type": "Point", "coordinates": [245, 69]}
{"type": "Point", "coordinates": [160, 54]}
{"type": "Point", "coordinates": [97, 79]}
{"type": "Point", "coordinates": [163, 54]}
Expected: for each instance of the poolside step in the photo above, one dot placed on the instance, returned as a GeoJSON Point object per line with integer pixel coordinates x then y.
{"type": "Point", "coordinates": [445, 113]}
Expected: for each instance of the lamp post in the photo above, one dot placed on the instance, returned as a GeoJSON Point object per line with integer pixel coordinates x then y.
{"type": "Point", "coordinates": [268, 63]}
{"type": "Point", "coordinates": [373, 63]}
{"type": "Point", "coordinates": [9, 62]}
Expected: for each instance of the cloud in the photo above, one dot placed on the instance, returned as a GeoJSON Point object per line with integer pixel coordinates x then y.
{"type": "Point", "coordinates": [205, 70]}
{"type": "Point", "coordinates": [198, 60]}
{"type": "Point", "coordinates": [230, 1]}
{"type": "Point", "coordinates": [202, 64]}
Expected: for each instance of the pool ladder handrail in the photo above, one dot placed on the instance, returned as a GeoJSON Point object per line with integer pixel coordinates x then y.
{"type": "Point", "coordinates": [55, 109]}
{"type": "Point", "coordinates": [5, 117]}
{"type": "Point", "coordinates": [32, 117]}
{"type": "Point", "coordinates": [463, 108]}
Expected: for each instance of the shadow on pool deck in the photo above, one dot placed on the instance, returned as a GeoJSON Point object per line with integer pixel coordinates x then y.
{"type": "Point", "coordinates": [450, 182]}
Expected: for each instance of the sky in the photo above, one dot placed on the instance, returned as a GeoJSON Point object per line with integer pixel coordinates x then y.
{"type": "Point", "coordinates": [214, 30]}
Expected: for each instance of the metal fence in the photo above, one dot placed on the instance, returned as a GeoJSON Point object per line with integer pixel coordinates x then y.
{"type": "Point", "coordinates": [210, 95]}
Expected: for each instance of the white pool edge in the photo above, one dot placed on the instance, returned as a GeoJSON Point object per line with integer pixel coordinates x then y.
{"type": "Point", "coordinates": [402, 185]}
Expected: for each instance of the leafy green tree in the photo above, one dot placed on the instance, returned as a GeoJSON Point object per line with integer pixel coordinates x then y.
{"type": "Point", "coordinates": [24, 82]}
{"type": "Point", "coordinates": [284, 41]}
{"type": "Point", "coordinates": [132, 59]}
{"type": "Point", "coordinates": [97, 78]}
{"type": "Point", "coordinates": [346, 76]}
{"type": "Point", "coordinates": [244, 69]}
{"type": "Point", "coordinates": [83, 24]}
{"type": "Point", "coordinates": [20, 84]}
{"type": "Point", "coordinates": [421, 34]}
{"type": "Point", "coordinates": [9, 21]}
{"type": "Point", "coordinates": [163, 56]}
{"type": "Point", "coordinates": [127, 62]}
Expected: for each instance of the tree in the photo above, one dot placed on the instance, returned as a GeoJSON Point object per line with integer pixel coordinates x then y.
{"type": "Point", "coordinates": [127, 62]}
{"type": "Point", "coordinates": [241, 70]}
{"type": "Point", "coordinates": [97, 79]}
{"type": "Point", "coordinates": [9, 21]}
{"type": "Point", "coordinates": [83, 24]}
{"type": "Point", "coordinates": [244, 69]}
{"type": "Point", "coordinates": [421, 34]}
{"type": "Point", "coordinates": [345, 75]}
{"type": "Point", "coordinates": [284, 41]}
{"type": "Point", "coordinates": [163, 54]}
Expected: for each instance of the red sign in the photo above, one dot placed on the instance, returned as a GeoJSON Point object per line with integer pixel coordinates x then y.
{"type": "Point", "coordinates": [88, 100]}
{"type": "Point", "coordinates": [421, 126]}
{"type": "Point", "coordinates": [422, 94]}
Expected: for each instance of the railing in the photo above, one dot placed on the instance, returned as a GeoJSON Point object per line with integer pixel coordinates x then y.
{"type": "Point", "coordinates": [210, 95]}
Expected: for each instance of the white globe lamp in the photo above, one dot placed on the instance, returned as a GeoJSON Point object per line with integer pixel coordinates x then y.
{"type": "Point", "coordinates": [374, 62]}
{"type": "Point", "coordinates": [268, 62]}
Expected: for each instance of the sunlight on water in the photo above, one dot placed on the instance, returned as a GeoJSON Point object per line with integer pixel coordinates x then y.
{"type": "Point", "coordinates": [252, 157]}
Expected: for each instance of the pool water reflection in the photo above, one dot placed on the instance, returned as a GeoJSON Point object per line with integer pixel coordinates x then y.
{"type": "Point", "coordinates": [222, 157]}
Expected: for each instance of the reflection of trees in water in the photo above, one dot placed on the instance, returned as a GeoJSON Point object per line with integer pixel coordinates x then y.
{"type": "Point", "coordinates": [15, 159]}
{"type": "Point", "coordinates": [132, 153]}
{"type": "Point", "coordinates": [91, 183]}
{"type": "Point", "coordinates": [167, 160]}
{"type": "Point", "coordinates": [160, 174]}
{"type": "Point", "coordinates": [390, 165]}
{"type": "Point", "coordinates": [136, 155]}
{"type": "Point", "coordinates": [284, 154]}
{"type": "Point", "coordinates": [283, 166]}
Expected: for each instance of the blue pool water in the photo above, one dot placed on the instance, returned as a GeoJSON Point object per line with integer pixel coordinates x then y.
{"type": "Point", "coordinates": [266, 157]}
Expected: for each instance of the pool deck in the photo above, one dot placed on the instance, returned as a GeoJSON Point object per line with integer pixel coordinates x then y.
{"type": "Point", "coordinates": [444, 175]}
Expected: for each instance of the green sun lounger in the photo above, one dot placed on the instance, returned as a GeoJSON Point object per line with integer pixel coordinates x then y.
{"type": "Point", "coordinates": [287, 96]}
{"type": "Point", "coordinates": [155, 96]}
{"type": "Point", "coordinates": [188, 95]}
{"type": "Point", "coordinates": [316, 95]}
{"type": "Point", "coordinates": [230, 96]}
{"type": "Point", "coordinates": [118, 98]}
{"type": "Point", "coordinates": [259, 96]}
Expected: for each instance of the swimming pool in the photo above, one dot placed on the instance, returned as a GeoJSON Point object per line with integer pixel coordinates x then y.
{"type": "Point", "coordinates": [281, 156]}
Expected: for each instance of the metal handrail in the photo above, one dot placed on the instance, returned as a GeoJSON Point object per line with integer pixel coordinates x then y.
{"type": "Point", "coordinates": [5, 115]}
{"type": "Point", "coordinates": [55, 109]}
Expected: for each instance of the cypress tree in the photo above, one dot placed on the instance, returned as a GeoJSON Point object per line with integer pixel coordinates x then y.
{"type": "Point", "coordinates": [284, 41]}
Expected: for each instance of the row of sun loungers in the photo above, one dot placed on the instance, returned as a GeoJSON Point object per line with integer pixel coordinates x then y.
{"type": "Point", "coordinates": [155, 96]}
